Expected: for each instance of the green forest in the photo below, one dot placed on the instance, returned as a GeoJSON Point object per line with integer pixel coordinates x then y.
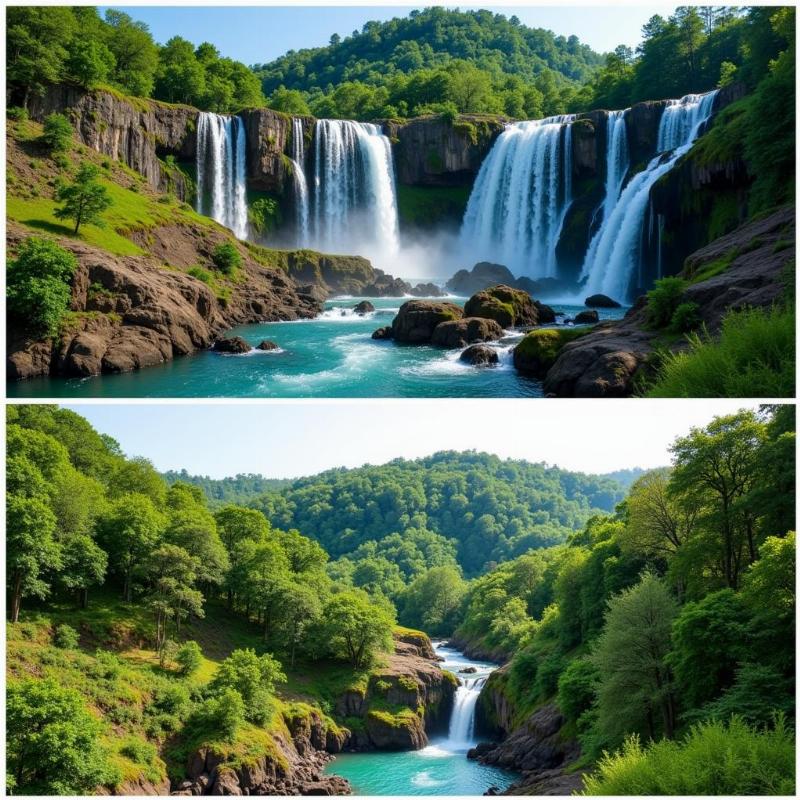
{"type": "Point", "coordinates": [145, 622]}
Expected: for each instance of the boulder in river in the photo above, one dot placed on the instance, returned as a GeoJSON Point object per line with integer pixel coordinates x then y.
{"type": "Point", "coordinates": [383, 333]}
{"type": "Point", "coordinates": [539, 349]}
{"type": "Point", "coordinates": [232, 344]}
{"type": "Point", "coordinates": [482, 275]}
{"type": "Point", "coordinates": [507, 306]}
{"type": "Point", "coordinates": [587, 317]}
{"type": "Point", "coordinates": [601, 301]}
{"type": "Point", "coordinates": [364, 307]}
{"type": "Point", "coordinates": [479, 355]}
{"type": "Point", "coordinates": [461, 332]}
{"type": "Point", "coordinates": [417, 319]}
{"type": "Point", "coordinates": [427, 290]}
{"type": "Point", "coordinates": [267, 344]}
{"type": "Point", "coordinates": [468, 671]}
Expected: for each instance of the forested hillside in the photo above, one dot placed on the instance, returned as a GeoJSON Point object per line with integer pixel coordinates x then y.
{"type": "Point", "coordinates": [490, 509]}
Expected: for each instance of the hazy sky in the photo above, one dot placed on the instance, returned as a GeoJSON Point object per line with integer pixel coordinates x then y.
{"type": "Point", "coordinates": [257, 35]}
{"type": "Point", "coordinates": [296, 438]}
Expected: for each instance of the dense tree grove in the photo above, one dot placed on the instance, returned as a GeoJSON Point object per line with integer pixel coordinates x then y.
{"type": "Point", "coordinates": [49, 45]}
{"type": "Point", "coordinates": [677, 609]}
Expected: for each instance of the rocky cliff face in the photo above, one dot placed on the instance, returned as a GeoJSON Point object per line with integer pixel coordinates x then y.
{"type": "Point", "coordinates": [268, 135]}
{"type": "Point", "coordinates": [131, 130]}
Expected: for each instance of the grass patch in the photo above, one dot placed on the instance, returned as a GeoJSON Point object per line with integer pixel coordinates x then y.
{"type": "Point", "coordinates": [754, 357]}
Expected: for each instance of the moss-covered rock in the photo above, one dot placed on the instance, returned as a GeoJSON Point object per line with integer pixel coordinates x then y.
{"type": "Point", "coordinates": [417, 319]}
{"type": "Point", "coordinates": [538, 350]}
{"type": "Point", "coordinates": [506, 306]}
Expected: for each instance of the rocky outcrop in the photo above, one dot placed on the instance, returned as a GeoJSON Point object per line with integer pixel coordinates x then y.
{"type": "Point", "coordinates": [461, 332]}
{"type": "Point", "coordinates": [427, 290]}
{"type": "Point", "coordinates": [751, 263]}
{"type": "Point", "coordinates": [483, 275]}
{"type": "Point", "coordinates": [479, 355]}
{"type": "Point", "coordinates": [129, 312]}
{"type": "Point", "coordinates": [432, 151]}
{"type": "Point", "coordinates": [600, 301]}
{"type": "Point", "coordinates": [292, 765]}
{"type": "Point", "coordinates": [134, 131]}
{"type": "Point", "coordinates": [508, 307]}
{"type": "Point", "coordinates": [233, 344]}
{"type": "Point", "coordinates": [268, 135]}
{"type": "Point", "coordinates": [417, 319]}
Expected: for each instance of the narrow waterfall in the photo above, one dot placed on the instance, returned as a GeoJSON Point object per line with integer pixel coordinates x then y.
{"type": "Point", "coordinates": [461, 734]}
{"type": "Point", "coordinates": [614, 256]}
{"type": "Point", "coordinates": [299, 177]}
{"type": "Point", "coordinates": [221, 176]}
{"type": "Point", "coordinates": [521, 196]}
{"type": "Point", "coordinates": [353, 199]}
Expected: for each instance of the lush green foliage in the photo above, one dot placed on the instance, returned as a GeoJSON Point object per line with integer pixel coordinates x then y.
{"type": "Point", "coordinates": [754, 355]}
{"type": "Point", "coordinates": [57, 133]}
{"type": "Point", "coordinates": [85, 199]}
{"type": "Point", "coordinates": [431, 61]}
{"type": "Point", "coordinates": [74, 45]}
{"type": "Point", "coordinates": [38, 285]}
{"type": "Point", "coordinates": [713, 759]}
{"type": "Point", "coordinates": [226, 258]}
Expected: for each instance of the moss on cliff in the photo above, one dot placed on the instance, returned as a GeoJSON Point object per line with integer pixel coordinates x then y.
{"type": "Point", "coordinates": [429, 206]}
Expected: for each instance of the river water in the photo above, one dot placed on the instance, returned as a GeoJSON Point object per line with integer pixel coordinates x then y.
{"type": "Point", "coordinates": [332, 355]}
{"type": "Point", "coordinates": [442, 767]}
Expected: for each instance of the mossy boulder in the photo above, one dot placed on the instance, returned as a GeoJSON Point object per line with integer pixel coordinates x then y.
{"type": "Point", "coordinates": [401, 730]}
{"type": "Point", "coordinates": [538, 350]}
{"type": "Point", "coordinates": [417, 320]}
{"type": "Point", "coordinates": [506, 306]}
{"type": "Point", "coordinates": [461, 332]}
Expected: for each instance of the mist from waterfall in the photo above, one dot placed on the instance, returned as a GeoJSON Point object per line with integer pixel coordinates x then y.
{"type": "Point", "coordinates": [522, 193]}
{"type": "Point", "coordinates": [353, 198]}
{"type": "Point", "coordinates": [299, 178]}
{"type": "Point", "coordinates": [221, 171]}
{"type": "Point", "coordinates": [614, 255]}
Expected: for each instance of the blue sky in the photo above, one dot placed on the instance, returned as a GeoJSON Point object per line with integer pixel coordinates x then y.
{"type": "Point", "coordinates": [292, 439]}
{"type": "Point", "coordinates": [256, 35]}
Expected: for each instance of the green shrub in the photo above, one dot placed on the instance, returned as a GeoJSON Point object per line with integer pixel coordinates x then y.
{"type": "Point", "coordinates": [189, 657]}
{"type": "Point", "coordinates": [38, 288]}
{"type": "Point", "coordinates": [138, 751]}
{"type": "Point", "coordinates": [577, 685]}
{"type": "Point", "coordinates": [663, 300]}
{"type": "Point", "coordinates": [65, 637]}
{"type": "Point", "coordinates": [264, 215]}
{"type": "Point", "coordinates": [17, 113]}
{"type": "Point", "coordinates": [57, 135]}
{"type": "Point", "coordinates": [754, 357]}
{"type": "Point", "coordinates": [685, 318]}
{"type": "Point", "coordinates": [226, 258]}
{"type": "Point", "coordinates": [201, 274]}
{"type": "Point", "coordinates": [714, 759]}
{"type": "Point", "coordinates": [221, 716]}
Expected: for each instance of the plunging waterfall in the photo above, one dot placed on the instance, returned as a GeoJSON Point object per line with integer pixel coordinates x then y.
{"type": "Point", "coordinates": [462, 720]}
{"type": "Point", "coordinates": [221, 176]}
{"type": "Point", "coordinates": [521, 196]}
{"type": "Point", "coordinates": [353, 193]}
{"type": "Point", "coordinates": [299, 178]}
{"type": "Point", "coordinates": [614, 257]}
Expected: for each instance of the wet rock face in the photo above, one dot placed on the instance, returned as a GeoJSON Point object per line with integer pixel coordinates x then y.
{"type": "Point", "coordinates": [135, 135]}
{"type": "Point", "coordinates": [234, 344]}
{"type": "Point", "coordinates": [431, 151]}
{"type": "Point", "coordinates": [588, 144]}
{"type": "Point", "coordinates": [268, 135]}
{"type": "Point", "coordinates": [641, 128]}
{"type": "Point", "coordinates": [364, 307]}
{"type": "Point", "coordinates": [417, 319]}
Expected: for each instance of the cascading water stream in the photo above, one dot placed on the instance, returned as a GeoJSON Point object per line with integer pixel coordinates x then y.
{"type": "Point", "coordinates": [221, 171]}
{"type": "Point", "coordinates": [354, 201]}
{"type": "Point", "coordinates": [614, 255]}
{"type": "Point", "coordinates": [299, 177]}
{"type": "Point", "coordinates": [462, 720]}
{"type": "Point", "coordinates": [521, 196]}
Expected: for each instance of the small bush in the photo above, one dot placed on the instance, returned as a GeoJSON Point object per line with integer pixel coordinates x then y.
{"type": "Point", "coordinates": [65, 637]}
{"type": "Point", "coordinates": [264, 215]}
{"type": "Point", "coordinates": [714, 759]}
{"type": "Point", "coordinates": [754, 357]}
{"type": "Point", "coordinates": [226, 258]}
{"type": "Point", "coordinates": [685, 318]}
{"type": "Point", "coordinates": [222, 716]}
{"type": "Point", "coordinates": [189, 657]}
{"type": "Point", "coordinates": [663, 301]}
{"type": "Point", "coordinates": [138, 751]}
{"type": "Point", "coordinates": [57, 135]}
{"type": "Point", "coordinates": [201, 274]}
{"type": "Point", "coordinates": [17, 113]}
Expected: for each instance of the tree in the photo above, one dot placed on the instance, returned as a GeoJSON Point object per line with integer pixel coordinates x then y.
{"type": "Point", "coordinates": [289, 101]}
{"type": "Point", "coordinates": [84, 200]}
{"type": "Point", "coordinates": [53, 741]}
{"type": "Point", "coordinates": [135, 53]}
{"type": "Point", "coordinates": [253, 677]}
{"type": "Point", "coordinates": [302, 609]}
{"type": "Point", "coordinates": [84, 565]}
{"type": "Point", "coordinates": [357, 627]}
{"type": "Point", "coordinates": [38, 289]}
{"type": "Point", "coordinates": [129, 532]}
{"type": "Point", "coordinates": [631, 657]}
{"type": "Point", "coordinates": [90, 63]}
{"type": "Point", "coordinates": [189, 657]}
{"type": "Point", "coordinates": [57, 133]}
{"type": "Point", "coordinates": [577, 688]}
{"type": "Point", "coordinates": [433, 598]}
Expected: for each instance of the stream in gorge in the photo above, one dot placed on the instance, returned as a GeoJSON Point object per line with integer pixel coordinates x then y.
{"type": "Point", "coordinates": [442, 767]}
{"type": "Point", "coordinates": [332, 355]}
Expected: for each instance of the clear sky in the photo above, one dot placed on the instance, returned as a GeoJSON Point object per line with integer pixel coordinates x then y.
{"type": "Point", "coordinates": [296, 438]}
{"type": "Point", "coordinates": [257, 35]}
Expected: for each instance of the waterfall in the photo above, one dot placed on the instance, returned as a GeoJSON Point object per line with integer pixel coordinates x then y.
{"type": "Point", "coordinates": [354, 201]}
{"type": "Point", "coordinates": [521, 196]}
{"type": "Point", "coordinates": [614, 254]}
{"type": "Point", "coordinates": [221, 176]}
{"type": "Point", "coordinates": [299, 177]}
{"type": "Point", "coordinates": [462, 720]}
